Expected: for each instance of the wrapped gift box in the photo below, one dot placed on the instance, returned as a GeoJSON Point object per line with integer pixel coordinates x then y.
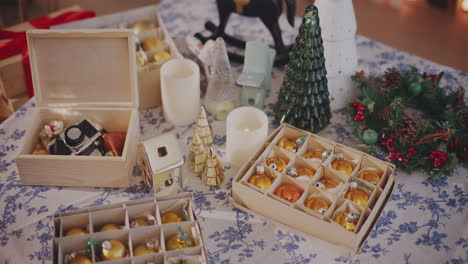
{"type": "Point", "coordinates": [11, 69]}
{"type": "Point", "coordinates": [123, 215]}
{"type": "Point", "coordinates": [296, 215]}
{"type": "Point", "coordinates": [82, 74]}
{"type": "Point", "coordinates": [149, 84]}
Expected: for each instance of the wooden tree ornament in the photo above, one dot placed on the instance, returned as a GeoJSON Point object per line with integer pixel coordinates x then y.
{"type": "Point", "coordinates": [213, 173]}
{"type": "Point", "coordinates": [197, 155]}
{"type": "Point", "coordinates": [203, 128]}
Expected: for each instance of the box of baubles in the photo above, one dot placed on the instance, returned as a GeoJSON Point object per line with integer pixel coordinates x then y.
{"type": "Point", "coordinates": [84, 130]}
{"type": "Point", "coordinates": [154, 46]}
{"type": "Point", "coordinates": [314, 185]}
{"type": "Point", "coordinates": [133, 232]}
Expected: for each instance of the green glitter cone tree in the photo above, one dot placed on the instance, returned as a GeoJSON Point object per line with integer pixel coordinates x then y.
{"type": "Point", "coordinates": [303, 100]}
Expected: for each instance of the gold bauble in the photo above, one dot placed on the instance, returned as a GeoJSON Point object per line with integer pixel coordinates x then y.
{"type": "Point", "coordinates": [80, 259]}
{"type": "Point", "coordinates": [261, 181]}
{"type": "Point", "coordinates": [170, 217]}
{"type": "Point", "coordinates": [276, 163]}
{"type": "Point", "coordinates": [38, 150]}
{"type": "Point", "coordinates": [117, 250]}
{"type": "Point", "coordinates": [342, 219]}
{"type": "Point", "coordinates": [317, 204]}
{"type": "Point", "coordinates": [343, 165]}
{"type": "Point", "coordinates": [328, 183]}
{"type": "Point", "coordinates": [314, 155]}
{"type": "Point", "coordinates": [141, 221]}
{"type": "Point", "coordinates": [76, 231]}
{"type": "Point", "coordinates": [152, 44]}
{"type": "Point", "coordinates": [289, 192]}
{"type": "Point", "coordinates": [357, 195]}
{"type": "Point", "coordinates": [109, 227]}
{"type": "Point", "coordinates": [288, 144]}
{"type": "Point", "coordinates": [143, 249]}
{"type": "Point", "coordinates": [142, 26]}
{"type": "Point", "coordinates": [370, 176]}
{"type": "Point", "coordinates": [161, 56]}
{"type": "Point", "coordinates": [173, 243]}
{"type": "Point", "coordinates": [306, 172]}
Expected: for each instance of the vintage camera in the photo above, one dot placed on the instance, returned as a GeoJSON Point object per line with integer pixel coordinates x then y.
{"type": "Point", "coordinates": [80, 139]}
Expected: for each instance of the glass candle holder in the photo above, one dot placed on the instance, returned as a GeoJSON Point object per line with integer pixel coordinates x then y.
{"type": "Point", "coordinates": [247, 129]}
{"type": "Point", "coordinates": [180, 91]}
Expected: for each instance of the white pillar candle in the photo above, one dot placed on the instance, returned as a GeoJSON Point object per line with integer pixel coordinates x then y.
{"type": "Point", "coordinates": [247, 129]}
{"type": "Point", "coordinates": [180, 91]}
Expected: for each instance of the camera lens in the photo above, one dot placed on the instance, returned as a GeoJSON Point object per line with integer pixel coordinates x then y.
{"type": "Point", "coordinates": [74, 137]}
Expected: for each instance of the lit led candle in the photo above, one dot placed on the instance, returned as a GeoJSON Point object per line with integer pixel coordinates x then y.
{"type": "Point", "coordinates": [247, 129]}
{"type": "Point", "coordinates": [180, 91]}
{"type": "Point", "coordinates": [465, 5]}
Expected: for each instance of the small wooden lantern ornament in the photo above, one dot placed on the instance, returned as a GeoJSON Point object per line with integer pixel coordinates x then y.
{"type": "Point", "coordinates": [161, 162]}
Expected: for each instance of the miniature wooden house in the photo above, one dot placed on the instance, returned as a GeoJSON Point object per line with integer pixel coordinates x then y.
{"type": "Point", "coordinates": [255, 78]}
{"type": "Point", "coordinates": [161, 162]}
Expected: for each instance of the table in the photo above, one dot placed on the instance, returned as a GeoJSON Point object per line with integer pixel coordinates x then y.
{"type": "Point", "coordinates": [423, 222]}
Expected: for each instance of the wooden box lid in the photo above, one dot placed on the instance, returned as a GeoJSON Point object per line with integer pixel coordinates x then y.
{"type": "Point", "coordinates": [83, 68]}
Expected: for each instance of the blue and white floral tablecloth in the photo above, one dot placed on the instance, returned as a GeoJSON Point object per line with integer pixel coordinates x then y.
{"type": "Point", "coordinates": [423, 222]}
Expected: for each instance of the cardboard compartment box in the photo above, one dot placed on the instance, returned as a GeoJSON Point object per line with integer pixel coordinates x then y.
{"type": "Point", "coordinates": [320, 223]}
{"type": "Point", "coordinates": [124, 215]}
{"type": "Point", "coordinates": [149, 83]}
{"type": "Point", "coordinates": [82, 74]}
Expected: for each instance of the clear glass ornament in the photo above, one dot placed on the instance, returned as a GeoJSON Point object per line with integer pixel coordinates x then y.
{"type": "Point", "coordinates": [222, 96]}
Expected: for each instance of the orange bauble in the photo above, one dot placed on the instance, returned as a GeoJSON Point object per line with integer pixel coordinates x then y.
{"type": "Point", "coordinates": [289, 192]}
{"type": "Point", "coordinates": [276, 163]}
{"type": "Point", "coordinates": [317, 204]}
{"type": "Point", "coordinates": [288, 144]}
{"type": "Point", "coordinates": [370, 176]}
{"type": "Point", "coordinates": [343, 165]}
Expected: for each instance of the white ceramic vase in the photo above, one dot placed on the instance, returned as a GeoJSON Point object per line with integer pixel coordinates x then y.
{"type": "Point", "coordinates": [338, 24]}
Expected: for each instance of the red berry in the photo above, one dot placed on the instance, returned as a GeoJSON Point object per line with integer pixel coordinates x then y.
{"type": "Point", "coordinates": [354, 104]}
{"type": "Point", "coordinates": [361, 107]}
{"type": "Point", "coordinates": [364, 127]}
{"type": "Point", "coordinates": [411, 152]}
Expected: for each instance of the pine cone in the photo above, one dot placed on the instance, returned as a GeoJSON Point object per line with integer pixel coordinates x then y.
{"type": "Point", "coordinates": [385, 112]}
{"type": "Point", "coordinates": [460, 96]}
{"type": "Point", "coordinates": [431, 138]}
{"type": "Point", "coordinates": [465, 118]}
{"type": "Point", "coordinates": [391, 80]}
{"type": "Point", "coordinates": [462, 151]}
{"type": "Point", "coordinates": [409, 130]}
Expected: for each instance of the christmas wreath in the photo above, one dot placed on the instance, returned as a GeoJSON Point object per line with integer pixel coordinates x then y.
{"type": "Point", "coordinates": [412, 118]}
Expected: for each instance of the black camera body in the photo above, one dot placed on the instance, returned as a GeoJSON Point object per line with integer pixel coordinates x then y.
{"type": "Point", "coordinates": [80, 139]}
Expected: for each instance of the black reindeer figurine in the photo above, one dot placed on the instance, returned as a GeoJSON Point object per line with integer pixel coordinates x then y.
{"type": "Point", "coordinates": [268, 11]}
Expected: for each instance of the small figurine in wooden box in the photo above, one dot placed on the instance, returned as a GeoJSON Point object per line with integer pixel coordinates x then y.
{"type": "Point", "coordinates": [256, 75]}
{"type": "Point", "coordinates": [161, 161]}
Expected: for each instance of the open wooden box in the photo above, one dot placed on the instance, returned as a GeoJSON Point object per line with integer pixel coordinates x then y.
{"type": "Point", "coordinates": [296, 215]}
{"type": "Point", "coordinates": [123, 214]}
{"type": "Point", "coordinates": [149, 83]}
{"type": "Point", "coordinates": [83, 74]}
